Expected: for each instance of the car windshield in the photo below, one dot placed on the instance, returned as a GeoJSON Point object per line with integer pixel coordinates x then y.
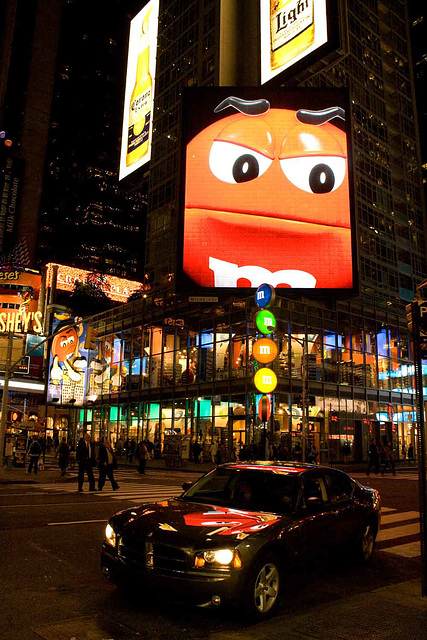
{"type": "Point", "coordinates": [246, 489]}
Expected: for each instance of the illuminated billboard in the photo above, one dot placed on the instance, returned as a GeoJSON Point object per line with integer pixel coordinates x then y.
{"type": "Point", "coordinates": [77, 374]}
{"type": "Point", "coordinates": [118, 289]}
{"type": "Point", "coordinates": [266, 194]}
{"type": "Point", "coordinates": [290, 31]}
{"type": "Point", "coordinates": [19, 293]}
{"type": "Point", "coordinates": [139, 92]}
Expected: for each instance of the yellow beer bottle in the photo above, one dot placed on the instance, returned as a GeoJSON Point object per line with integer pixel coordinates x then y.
{"type": "Point", "coordinates": [291, 30]}
{"type": "Point", "coordinates": [141, 102]}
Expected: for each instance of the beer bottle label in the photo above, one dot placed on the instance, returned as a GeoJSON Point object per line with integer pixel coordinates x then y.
{"type": "Point", "coordinates": [288, 19]}
{"type": "Point", "coordinates": [139, 121]}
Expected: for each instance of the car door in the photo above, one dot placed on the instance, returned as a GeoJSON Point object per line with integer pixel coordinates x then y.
{"type": "Point", "coordinates": [349, 510]}
{"type": "Point", "coordinates": [318, 517]}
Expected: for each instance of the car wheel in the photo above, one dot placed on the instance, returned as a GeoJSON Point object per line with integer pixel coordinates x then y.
{"type": "Point", "coordinates": [263, 587]}
{"type": "Point", "coordinates": [366, 544]}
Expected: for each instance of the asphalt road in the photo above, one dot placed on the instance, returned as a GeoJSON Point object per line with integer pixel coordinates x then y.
{"type": "Point", "coordinates": [50, 537]}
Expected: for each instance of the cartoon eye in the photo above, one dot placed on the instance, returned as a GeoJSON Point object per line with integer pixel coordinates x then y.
{"type": "Point", "coordinates": [315, 174]}
{"type": "Point", "coordinates": [232, 163]}
{"type": "Point", "coordinates": [71, 340]}
{"type": "Point", "coordinates": [63, 343]}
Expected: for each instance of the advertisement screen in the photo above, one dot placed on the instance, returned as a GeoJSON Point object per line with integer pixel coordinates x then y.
{"type": "Point", "coordinates": [290, 31]}
{"type": "Point", "coordinates": [139, 91]}
{"type": "Point", "coordinates": [266, 191]}
{"type": "Point", "coordinates": [115, 288]}
{"type": "Point", "coordinates": [77, 374]}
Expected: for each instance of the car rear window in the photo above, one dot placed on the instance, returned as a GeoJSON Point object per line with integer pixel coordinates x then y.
{"type": "Point", "coordinates": [246, 489]}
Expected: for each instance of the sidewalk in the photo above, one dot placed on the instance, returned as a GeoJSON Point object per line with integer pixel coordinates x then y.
{"type": "Point", "coordinates": [51, 472]}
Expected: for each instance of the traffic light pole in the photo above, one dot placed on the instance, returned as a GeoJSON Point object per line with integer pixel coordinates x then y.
{"type": "Point", "coordinates": [421, 444]}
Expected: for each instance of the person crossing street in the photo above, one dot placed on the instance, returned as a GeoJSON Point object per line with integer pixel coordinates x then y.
{"type": "Point", "coordinates": [86, 460]}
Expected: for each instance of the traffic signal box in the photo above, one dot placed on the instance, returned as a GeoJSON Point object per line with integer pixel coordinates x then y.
{"type": "Point", "coordinates": [91, 338]}
{"type": "Point", "coordinates": [265, 350]}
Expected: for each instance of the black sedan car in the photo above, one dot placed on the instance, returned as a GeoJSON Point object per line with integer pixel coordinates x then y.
{"type": "Point", "coordinates": [233, 535]}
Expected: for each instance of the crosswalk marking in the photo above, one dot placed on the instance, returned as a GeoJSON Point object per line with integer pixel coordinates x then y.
{"type": "Point", "coordinates": [411, 475]}
{"type": "Point", "coordinates": [129, 491]}
{"type": "Point", "coordinates": [399, 517]}
{"type": "Point", "coordinates": [408, 550]}
{"type": "Point", "coordinates": [398, 532]}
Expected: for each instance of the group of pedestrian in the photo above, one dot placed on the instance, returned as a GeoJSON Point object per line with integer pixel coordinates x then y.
{"type": "Point", "coordinates": [380, 456]}
{"type": "Point", "coordinates": [86, 459]}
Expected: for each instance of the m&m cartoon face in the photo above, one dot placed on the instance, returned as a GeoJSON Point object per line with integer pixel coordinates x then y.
{"type": "Point", "coordinates": [267, 200]}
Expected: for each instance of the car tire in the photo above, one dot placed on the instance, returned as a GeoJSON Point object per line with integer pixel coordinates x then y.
{"type": "Point", "coordinates": [262, 590]}
{"type": "Point", "coordinates": [366, 544]}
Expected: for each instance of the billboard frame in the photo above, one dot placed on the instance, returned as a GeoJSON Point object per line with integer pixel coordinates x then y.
{"type": "Point", "coordinates": [183, 283]}
{"type": "Point", "coordinates": [335, 42]}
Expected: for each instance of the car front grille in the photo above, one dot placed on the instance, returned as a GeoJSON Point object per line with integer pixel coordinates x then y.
{"type": "Point", "coordinates": [145, 555]}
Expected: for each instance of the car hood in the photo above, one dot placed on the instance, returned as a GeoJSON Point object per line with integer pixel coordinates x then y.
{"type": "Point", "coordinates": [190, 522]}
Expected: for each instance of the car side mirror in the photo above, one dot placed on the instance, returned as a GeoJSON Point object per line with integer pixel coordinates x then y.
{"type": "Point", "coordinates": [186, 485]}
{"type": "Point", "coordinates": [313, 503]}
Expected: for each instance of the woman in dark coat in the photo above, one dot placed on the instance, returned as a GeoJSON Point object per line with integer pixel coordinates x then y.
{"type": "Point", "coordinates": [106, 464]}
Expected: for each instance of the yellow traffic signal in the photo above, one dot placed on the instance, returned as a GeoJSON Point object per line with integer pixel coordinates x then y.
{"type": "Point", "coordinates": [409, 316]}
{"type": "Point", "coordinates": [91, 338]}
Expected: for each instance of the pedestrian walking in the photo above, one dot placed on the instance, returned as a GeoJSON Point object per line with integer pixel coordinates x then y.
{"type": "Point", "coordinates": [388, 459]}
{"type": "Point", "coordinates": [373, 458]}
{"type": "Point", "coordinates": [106, 464]}
{"type": "Point", "coordinates": [196, 452]}
{"type": "Point", "coordinates": [141, 454]}
{"type": "Point", "coordinates": [411, 454]}
{"type": "Point", "coordinates": [85, 456]}
{"type": "Point", "coordinates": [63, 451]}
{"type": "Point", "coordinates": [346, 451]}
{"type": "Point", "coordinates": [8, 453]}
{"type": "Point", "coordinates": [132, 448]}
{"type": "Point", "coordinates": [34, 452]}
{"type": "Point", "coordinates": [403, 451]}
{"type": "Point", "coordinates": [214, 451]}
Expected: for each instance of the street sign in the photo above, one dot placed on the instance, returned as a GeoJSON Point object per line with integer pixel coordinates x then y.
{"type": "Point", "coordinates": [203, 299]}
{"type": "Point", "coordinates": [265, 350]}
{"type": "Point", "coordinates": [265, 380]}
{"type": "Point", "coordinates": [265, 321]}
{"type": "Point", "coordinates": [421, 310]}
{"type": "Point", "coordinates": [265, 296]}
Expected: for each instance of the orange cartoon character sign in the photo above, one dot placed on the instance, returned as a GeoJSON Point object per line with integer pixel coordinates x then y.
{"type": "Point", "coordinates": [267, 199]}
{"type": "Point", "coordinates": [68, 366]}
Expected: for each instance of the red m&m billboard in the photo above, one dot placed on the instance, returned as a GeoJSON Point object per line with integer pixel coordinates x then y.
{"type": "Point", "coordinates": [266, 191]}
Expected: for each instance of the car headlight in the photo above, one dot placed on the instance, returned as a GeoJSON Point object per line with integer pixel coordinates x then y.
{"type": "Point", "coordinates": [110, 535]}
{"type": "Point", "coordinates": [218, 558]}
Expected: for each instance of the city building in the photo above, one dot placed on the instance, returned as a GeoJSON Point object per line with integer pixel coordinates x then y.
{"type": "Point", "coordinates": [418, 30]}
{"type": "Point", "coordinates": [345, 370]}
{"type": "Point", "coordinates": [62, 77]}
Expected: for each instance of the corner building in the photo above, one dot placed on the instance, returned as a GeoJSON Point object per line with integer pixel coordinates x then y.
{"type": "Point", "coordinates": [347, 363]}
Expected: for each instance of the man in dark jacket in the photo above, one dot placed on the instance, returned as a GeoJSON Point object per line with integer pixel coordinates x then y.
{"type": "Point", "coordinates": [34, 452]}
{"type": "Point", "coordinates": [106, 464]}
{"type": "Point", "coordinates": [64, 455]}
{"type": "Point", "coordinates": [85, 456]}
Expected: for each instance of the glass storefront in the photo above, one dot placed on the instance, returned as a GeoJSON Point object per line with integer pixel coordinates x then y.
{"type": "Point", "coordinates": [343, 378]}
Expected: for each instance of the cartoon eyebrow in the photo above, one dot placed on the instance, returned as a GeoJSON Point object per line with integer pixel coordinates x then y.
{"type": "Point", "coordinates": [320, 117]}
{"type": "Point", "coordinates": [248, 107]}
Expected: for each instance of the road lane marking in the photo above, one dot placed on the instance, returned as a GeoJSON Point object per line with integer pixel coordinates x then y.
{"type": "Point", "coordinates": [57, 524]}
{"type": "Point", "coordinates": [398, 532]}
{"type": "Point", "coordinates": [399, 517]}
